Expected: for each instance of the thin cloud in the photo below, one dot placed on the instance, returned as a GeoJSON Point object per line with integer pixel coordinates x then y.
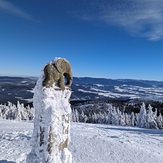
{"type": "Point", "coordinates": [143, 18]}
{"type": "Point", "coordinates": [14, 10]}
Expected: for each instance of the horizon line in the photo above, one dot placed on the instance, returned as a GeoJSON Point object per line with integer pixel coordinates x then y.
{"type": "Point", "coordinates": [37, 76]}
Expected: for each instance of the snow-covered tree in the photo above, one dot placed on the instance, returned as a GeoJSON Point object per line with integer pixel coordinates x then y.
{"type": "Point", "coordinates": [151, 118]}
{"type": "Point", "coordinates": [127, 120]}
{"type": "Point", "coordinates": [16, 112]}
{"type": "Point", "coordinates": [159, 121]}
{"type": "Point", "coordinates": [136, 119]}
{"type": "Point", "coordinates": [132, 119]}
{"type": "Point", "coordinates": [81, 117]}
{"type": "Point", "coordinates": [142, 122]}
{"type": "Point", "coordinates": [122, 119]}
{"type": "Point", "coordinates": [114, 116]}
{"type": "Point", "coordinates": [108, 115]}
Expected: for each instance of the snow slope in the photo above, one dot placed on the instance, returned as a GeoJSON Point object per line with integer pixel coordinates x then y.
{"type": "Point", "coordinates": [90, 143]}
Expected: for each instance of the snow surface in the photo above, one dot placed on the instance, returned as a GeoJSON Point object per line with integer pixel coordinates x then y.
{"type": "Point", "coordinates": [90, 143]}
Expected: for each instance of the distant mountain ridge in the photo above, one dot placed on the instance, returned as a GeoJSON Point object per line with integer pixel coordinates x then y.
{"type": "Point", "coordinates": [84, 88]}
{"type": "Point", "coordinates": [90, 80]}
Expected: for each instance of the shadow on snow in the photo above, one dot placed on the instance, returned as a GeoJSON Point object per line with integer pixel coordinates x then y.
{"type": "Point", "coordinates": [136, 130]}
{"type": "Point", "coordinates": [5, 161]}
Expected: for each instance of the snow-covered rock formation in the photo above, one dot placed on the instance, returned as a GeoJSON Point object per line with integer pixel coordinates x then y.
{"type": "Point", "coordinates": [51, 134]}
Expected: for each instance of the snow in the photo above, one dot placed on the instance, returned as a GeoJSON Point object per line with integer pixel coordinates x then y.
{"type": "Point", "coordinates": [137, 90]}
{"type": "Point", "coordinates": [51, 132]}
{"type": "Point", "coordinates": [99, 85]}
{"type": "Point", "coordinates": [29, 100]}
{"type": "Point", "coordinates": [108, 93]}
{"type": "Point", "coordinates": [14, 140]}
{"type": "Point", "coordinates": [124, 91]}
{"type": "Point", "coordinates": [24, 81]}
{"type": "Point", "coordinates": [90, 143]}
{"type": "Point", "coordinates": [31, 90]}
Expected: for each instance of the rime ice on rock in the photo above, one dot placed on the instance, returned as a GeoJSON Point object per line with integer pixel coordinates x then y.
{"type": "Point", "coordinates": [51, 134]}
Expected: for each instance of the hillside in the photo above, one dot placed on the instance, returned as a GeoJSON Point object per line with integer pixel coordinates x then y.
{"type": "Point", "coordinates": [21, 88]}
{"type": "Point", "coordinates": [89, 143]}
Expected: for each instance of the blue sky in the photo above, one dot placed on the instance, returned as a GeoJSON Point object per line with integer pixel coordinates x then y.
{"type": "Point", "coordinates": [101, 38]}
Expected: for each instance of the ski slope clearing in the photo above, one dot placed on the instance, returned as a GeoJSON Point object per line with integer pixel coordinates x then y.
{"type": "Point", "coordinates": [90, 143]}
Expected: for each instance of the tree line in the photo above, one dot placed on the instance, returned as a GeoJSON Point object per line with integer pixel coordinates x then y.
{"type": "Point", "coordinates": [104, 113]}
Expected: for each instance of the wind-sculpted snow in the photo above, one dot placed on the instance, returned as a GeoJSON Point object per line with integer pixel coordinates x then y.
{"type": "Point", "coordinates": [90, 143]}
{"type": "Point", "coordinates": [51, 134]}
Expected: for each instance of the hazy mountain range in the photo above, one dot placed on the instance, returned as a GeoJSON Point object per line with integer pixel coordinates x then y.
{"type": "Point", "coordinates": [21, 88]}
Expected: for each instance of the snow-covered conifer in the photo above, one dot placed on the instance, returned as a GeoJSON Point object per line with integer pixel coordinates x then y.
{"type": "Point", "coordinates": [122, 119]}
{"type": "Point", "coordinates": [159, 121]}
{"type": "Point", "coordinates": [142, 122]}
{"type": "Point", "coordinates": [127, 121]}
{"type": "Point", "coordinates": [151, 116]}
{"type": "Point", "coordinates": [114, 116]}
{"type": "Point", "coordinates": [132, 119]}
